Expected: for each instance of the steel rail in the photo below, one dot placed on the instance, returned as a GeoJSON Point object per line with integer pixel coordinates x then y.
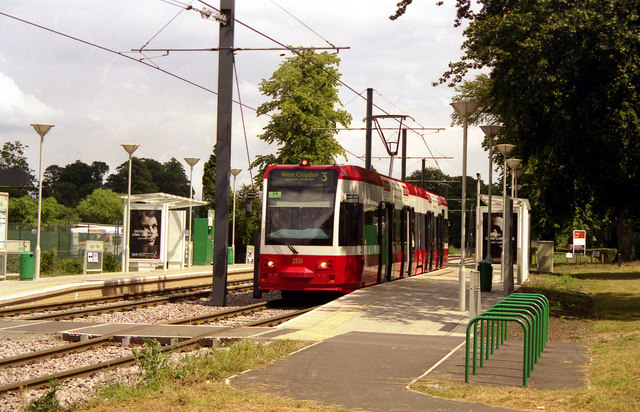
{"type": "Point", "coordinates": [20, 305]}
{"type": "Point", "coordinates": [85, 310]}
{"type": "Point", "coordinates": [86, 344]}
{"type": "Point", "coordinates": [124, 361]}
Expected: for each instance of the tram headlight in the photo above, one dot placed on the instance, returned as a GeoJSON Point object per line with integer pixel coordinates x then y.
{"type": "Point", "coordinates": [268, 263]}
{"type": "Point", "coordinates": [324, 265]}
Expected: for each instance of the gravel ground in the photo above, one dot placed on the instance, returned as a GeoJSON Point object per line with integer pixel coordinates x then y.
{"type": "Point", "coordinates": [81, 389]}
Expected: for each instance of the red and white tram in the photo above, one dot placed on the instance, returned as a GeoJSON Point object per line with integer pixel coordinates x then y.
{"type": "Point", "coordinates": [340, 228]}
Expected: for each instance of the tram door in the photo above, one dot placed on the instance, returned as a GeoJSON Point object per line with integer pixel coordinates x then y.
{"type": "Point", "coordinates": [430, 239]}
{"type": "Point", "coordinates": [384, 240]}
{"type": "Point", "coordinates": [440, 241]}
{"type": "Point", "coordinates": [407, 238]}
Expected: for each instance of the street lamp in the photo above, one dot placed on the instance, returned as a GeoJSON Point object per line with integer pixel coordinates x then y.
{"type": "Point", "coordinates": [517, 173]}
{"type": "Point", "coordinates": [513, 165]}
{"type": "Point", "coordinates": [129, 148]}
{"type": "Point", "coordinates": [490, 131]}
{"type": "Point", "coordinates": [41, 129]}
{"type": "Point", "coordinates": [464, 109]}
{"type": "Point", "coordinates": [191, 161]}
{"type": "Point", "coordinates": [504, 149]}
{"type": "Point", "coordinates": [234, 172]}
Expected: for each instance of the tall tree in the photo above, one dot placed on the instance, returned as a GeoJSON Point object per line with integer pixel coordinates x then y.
{"type": "Point", "coordinates": [101, 206]}
{"type": "Point", "coordinates": [209, 180]}
{"type": "Point", "coordinates": [304, 112]}
{"type": "Point", "coordinates": [24, 210]}
{"type": "Point", "coordinates": [173, 178]}
{"type": "Point", "coordinates": [149, 175]}
{"type": "Point", "coordinates": [12, 157]}
{"type": "Point", "coordinates": [564, 76]}
{"type": "Point", "coordinates": [141, 178]}
{"type": "Point", "coordinates": [73, 182]}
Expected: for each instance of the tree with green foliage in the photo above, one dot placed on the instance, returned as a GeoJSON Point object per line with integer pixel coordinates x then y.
{"type": "Point", "coordinates": [173, 178]}
{"type": "Point", "coordinates": [25, 210]}
{"type": "Point", "coordinates": [304, 112]}
{"type": "Point", "coordinates": [12, 157]}
{"type": "Point", "coordinates": [141, 178]}
{"type": "Point", "coordinates": [150, 176]}
{"type": "Point", "coordinates": [102, 206]}
{"type": "Point", "coordinates": [209, 180]}
{"type": "Point", "coordinates": [563, 80]}
{"type": "Point", "coordinates": [73, 182]}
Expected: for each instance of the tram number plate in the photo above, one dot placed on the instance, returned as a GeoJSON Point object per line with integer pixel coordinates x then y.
{"type": "Point", "coordinates": [296, 260]}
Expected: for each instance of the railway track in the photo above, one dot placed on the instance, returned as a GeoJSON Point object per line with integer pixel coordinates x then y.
{"type": "Point", "coordinates": [129, 360]}
{"type": "Point", "coordinates": [86, 307]}
{"type": "Point", "coordinates": [82, 293]}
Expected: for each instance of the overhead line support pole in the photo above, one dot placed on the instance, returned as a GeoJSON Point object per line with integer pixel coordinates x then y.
{"type": "Point", "coordinates": [367, 161]}
{"type": "Point", "coordinates": [223, 154]}
{"type": "Point", "coordinates": [404, 155]}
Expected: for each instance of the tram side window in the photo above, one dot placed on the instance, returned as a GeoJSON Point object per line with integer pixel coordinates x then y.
{"type": "Point", "coordinates": [350, 232]}
{"type": "Point", "coordinates": [371, 227]}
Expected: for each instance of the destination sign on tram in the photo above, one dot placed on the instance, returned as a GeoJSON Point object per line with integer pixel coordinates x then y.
{"type": "Point", "coordinates": [295, 177]}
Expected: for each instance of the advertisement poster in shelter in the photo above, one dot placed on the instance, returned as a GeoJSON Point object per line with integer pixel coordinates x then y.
{"type": "Point", "coordinates": [497, 227]}
{"type": "Point", "coordinates": [144, 238]}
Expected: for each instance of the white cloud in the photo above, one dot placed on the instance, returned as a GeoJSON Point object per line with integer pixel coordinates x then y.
{"type": "Point", "coordinates": [18, 108]}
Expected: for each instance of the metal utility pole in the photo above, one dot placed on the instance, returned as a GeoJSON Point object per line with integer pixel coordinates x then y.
{"type": "Point", "coordinates": [367, 158]}
{"type": "Point", "coordinates": [223, 154]}
{"type": "Point", "coordinates": [404, 155]}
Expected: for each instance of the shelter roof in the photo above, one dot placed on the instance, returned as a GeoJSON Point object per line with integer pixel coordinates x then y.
{"type": "Point", "coordinates": [159, 199]}
{"type": "Point", "coordinates": [496, 202]}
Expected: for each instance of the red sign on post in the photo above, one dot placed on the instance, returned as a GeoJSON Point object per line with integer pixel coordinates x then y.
{"type": "Point", "coordinates": [579, 241]}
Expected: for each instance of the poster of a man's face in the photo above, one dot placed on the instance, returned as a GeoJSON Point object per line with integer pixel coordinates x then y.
{"type": "Point", "coordinates": [145, 234]}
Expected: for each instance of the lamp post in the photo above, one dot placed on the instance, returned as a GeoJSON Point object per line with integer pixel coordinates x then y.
{"type": "Point", "coordinates": [504, 149]}
{"type": "Point", "coordinates": [490, 131]}
{"type": "Point", "coordinates": [515, 186]}
{"type": "Point", "coordinates": [234, 172]}
{"type": "Point", "coordinates": [513, 164]}
{"type": "Point", "coordinates": [129, 148]}
{"type": "Point", "coordinates": [41, 129]}
{"type": "Point", "coordinates": [464, 109]}
{"type": "Point", "coordinates": [191, 161]}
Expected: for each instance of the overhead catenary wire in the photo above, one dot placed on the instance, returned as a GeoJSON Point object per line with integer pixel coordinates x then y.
{"type": "Point", "coordinates": [186, 6]}
{"type": "Point", "coordinates": [244, 129]}
{"type": "Point", "coordinates": [167, 24]}
{"type": "Point", "coordinates": [106, 49]}
{"type": "Point", "coordinates": [296, 51]}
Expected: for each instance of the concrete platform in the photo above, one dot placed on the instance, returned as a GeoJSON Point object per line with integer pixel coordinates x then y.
{"type": "Point", "coordinates": [372, 343]}
{"type": "Point", "coordinates": [16, 293]}
{"type": "Point", "coordinates": [368, 346]}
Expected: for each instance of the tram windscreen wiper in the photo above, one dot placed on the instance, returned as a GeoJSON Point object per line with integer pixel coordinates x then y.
{"type": "Point", "coordinates": [282, 239]}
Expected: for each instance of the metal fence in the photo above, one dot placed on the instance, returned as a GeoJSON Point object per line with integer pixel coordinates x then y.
{"type": "Point", "coordinates": [67, 240]}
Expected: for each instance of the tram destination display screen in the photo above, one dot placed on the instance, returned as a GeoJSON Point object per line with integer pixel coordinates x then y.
{"type": "Point", "coordinates": [300, 206]}
{"type": "Point", "coordinates": [306, 177]}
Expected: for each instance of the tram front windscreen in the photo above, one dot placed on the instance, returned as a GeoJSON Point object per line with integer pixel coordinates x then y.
{"type": "Point", "coordinates": [300, 206]}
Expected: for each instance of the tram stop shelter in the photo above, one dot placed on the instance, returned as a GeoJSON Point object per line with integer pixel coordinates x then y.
{"type": "Point", "coordinates": [520, 233]}
{"type": "Point", "coordinates": [158, 234]}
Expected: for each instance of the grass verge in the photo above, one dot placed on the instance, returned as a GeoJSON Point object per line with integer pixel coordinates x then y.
{"type": "Point", "coordinates": [197, 381]}
{"type": "Point", "coordinates": [604, 302]}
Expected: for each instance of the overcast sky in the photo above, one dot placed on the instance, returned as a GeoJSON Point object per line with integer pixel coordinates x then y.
{"type": "Point", "coordinates": [98, 100]}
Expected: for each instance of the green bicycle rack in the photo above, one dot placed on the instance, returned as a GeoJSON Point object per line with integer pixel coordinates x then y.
{"type": "Point", "coordinates": [529, 310]}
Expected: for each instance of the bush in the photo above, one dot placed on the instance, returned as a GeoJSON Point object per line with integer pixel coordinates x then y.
{"type": "Point", "coordinates": [48, 262]}
{"type": "Point", "coordinates": [110, 263]}
{"type": "Point", "coordinates": [51, 265]}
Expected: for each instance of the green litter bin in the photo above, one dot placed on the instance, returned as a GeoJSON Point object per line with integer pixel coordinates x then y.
{"type": "Point", "coordinates": [26, 266]}
{"type": "Point", "coordinates": [230, 256]}
{"type": "Point", "coordinates": [486, 275]}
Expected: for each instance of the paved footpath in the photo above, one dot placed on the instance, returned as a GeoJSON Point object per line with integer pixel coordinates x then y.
{"type": "Point", "coordinates": [371, 344]}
